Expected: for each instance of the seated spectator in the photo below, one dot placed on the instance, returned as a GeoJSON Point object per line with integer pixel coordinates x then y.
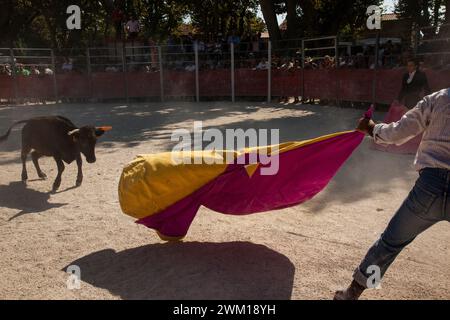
{"type": "Point", "coordinates": [310, 64]}
{"type": "Point", "coordinates": [67, 66]}
{"type": "Point", "coordinates": [35, 70]}
{"type": "Point", "coordinates": [21, 70]}
{"type": "Point", "coordinates": [286, 64]}
{"type": "Point", "coordinates": [262, 65]}
{"type": "Point", "coordinates": [190, 67]}
{"type": "Point", "coordinates": [6, 70]}
{"type": "Point", "coordinates": [48, 71]}
{"type": "Point", "coordinates": [111, 69]}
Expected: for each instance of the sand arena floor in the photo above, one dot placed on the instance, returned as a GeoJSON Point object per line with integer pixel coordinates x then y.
{"type": "Point", "coordinates": [304, 252]}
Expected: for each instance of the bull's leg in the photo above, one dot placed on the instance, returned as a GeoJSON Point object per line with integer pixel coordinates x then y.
{"type": "Point", "coordinates": [35, 156]}
{"type": "Point", "coordinates": [24, 154]}
{"type": "Point", "coordinates": [80, 171]}
{"type": "Point", "coordinates": [61, 168]}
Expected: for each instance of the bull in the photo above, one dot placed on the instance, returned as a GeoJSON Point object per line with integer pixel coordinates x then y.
{"type": "Point", "coordinates": [57, 137]}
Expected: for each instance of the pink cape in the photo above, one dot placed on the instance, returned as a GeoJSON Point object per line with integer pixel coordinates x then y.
{"type": "Point", "coordinates": [303, 172]}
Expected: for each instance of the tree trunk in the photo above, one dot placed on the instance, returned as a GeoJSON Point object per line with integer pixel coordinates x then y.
{"type": "Point", "coordinates": [447, 12]}
{"type": "Point", "coordinates": [292, 19]}
{"type": "Point", "coordinates": [270, 17]}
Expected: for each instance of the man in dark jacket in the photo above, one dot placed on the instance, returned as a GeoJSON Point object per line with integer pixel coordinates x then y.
{"type": "Point", "coordinates": [413, 82]}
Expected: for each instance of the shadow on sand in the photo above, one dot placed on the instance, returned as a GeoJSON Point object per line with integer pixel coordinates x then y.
{"type": "Point", "coordinates": [16, 195]}
{"type": "Point", "coordinates": [191, 270]}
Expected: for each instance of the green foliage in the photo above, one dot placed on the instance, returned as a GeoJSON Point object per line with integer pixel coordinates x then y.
{"type": "Point", "coordinates": [212, 17]}
{"type": "Point", "coordinates": [43, 22]}
{"type": "Point", "coordinates": [422, 12]}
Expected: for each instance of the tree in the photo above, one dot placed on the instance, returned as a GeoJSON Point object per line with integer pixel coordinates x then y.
{"type": "Point", "coordinates": [15, 17]}
{"type": "Point", "coordinates": [425, 14]}
{"type": "Point", "coordinates": [212, 17]}
{"type": "Point", "coordinates": [306, 18]}
{"type": "Point", "coordinates": [270, 17]}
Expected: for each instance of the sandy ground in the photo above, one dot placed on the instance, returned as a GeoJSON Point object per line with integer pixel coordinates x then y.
{"type": "Point", "coordinates": [304, 252]}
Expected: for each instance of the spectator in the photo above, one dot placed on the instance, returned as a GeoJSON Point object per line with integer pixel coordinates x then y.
{"type": "Point", "coordinates": [48, 71]}
{"type": "Point", "coordinates": [153, 53]}
{"type": "Point", "coordinates": [6, 69]}
{"type": "Point", "coordinates": [21, 70]}
{"type": "Point", "coordinates": [262, 65]}
{"type": "Point", "coordinates": [132, 27]}
{"type": "Point", "coordinates": [67, 66]}
{"type": "Point", "coordinates": [413, 82]}
{"type": "Point", "coordinates": [35, 70]}
{"type": "Point", "coordinates": [111, 69]}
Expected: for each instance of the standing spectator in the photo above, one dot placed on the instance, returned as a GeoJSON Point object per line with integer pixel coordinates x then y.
{"type": "Point", "coordinates": [413, 82]}
{"type": "Point", "coordinates": [117, 19]}
{"type": "Point", "coordinates": [132, 27]}
{"type": "Point", "coordinates": [153, 53]}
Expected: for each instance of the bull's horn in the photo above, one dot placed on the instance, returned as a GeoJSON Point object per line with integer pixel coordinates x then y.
{"type": "Point", "coordinates": [73, 132]}
{"type": "Point", "coordinates": [104, 128]}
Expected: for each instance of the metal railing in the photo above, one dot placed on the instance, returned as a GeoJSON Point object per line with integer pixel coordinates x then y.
{"type": "Point", "coordinates": [193, 61]}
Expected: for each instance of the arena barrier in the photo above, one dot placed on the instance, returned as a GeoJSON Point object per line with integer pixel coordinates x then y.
{"type": "Point", "coordinates": [359, 85]}
{"type": "Point", "coordinates": [160, 72]}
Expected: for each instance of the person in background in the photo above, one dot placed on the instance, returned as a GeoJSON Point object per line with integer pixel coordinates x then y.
{"type": "Point", "coordinates": [132, 27]}
{"type": "Point", "coordinates": [35, 70]}
{"type": "Point", "coordinates": [262, 65]}
{"type": "Point", "coordinates": [6, 69]}
{"type": "Point", "coordinates": [67, 66]}
{"type": "Point", "coordinates": [429, 200]}
{"type": "Point", "coordinates": [48, 71]}
{"type": "Point", "coordinates": [22, 70]}
{"type": "Point", "coordinates": [413, 82]}
{"type": "Point", "coordinates": [153, 53]}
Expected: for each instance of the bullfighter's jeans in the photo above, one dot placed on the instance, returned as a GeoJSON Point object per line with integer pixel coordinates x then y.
{"type": "Point", "coordinates": [427, 203]}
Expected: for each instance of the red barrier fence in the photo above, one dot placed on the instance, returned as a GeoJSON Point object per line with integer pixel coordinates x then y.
{"type": "Point", "coordinates": [215, 83]}
{"type": "Point", "coordinates": [287, 83]}
{"type": "Point", "coordinates": [179, 83]}
{"type": "Point", "coordinates": [73, 86]}
{"type": "Point", "coordinates": [334, 84]}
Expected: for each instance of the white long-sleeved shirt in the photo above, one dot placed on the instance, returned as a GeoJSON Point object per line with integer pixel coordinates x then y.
{"type": "Point", "coordinates": [431, 116]}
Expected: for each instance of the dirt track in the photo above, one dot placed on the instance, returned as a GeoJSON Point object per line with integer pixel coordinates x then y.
{"type": "Point", "coordinates": [304, 252]}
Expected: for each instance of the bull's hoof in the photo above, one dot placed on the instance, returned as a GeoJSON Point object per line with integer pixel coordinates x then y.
{"type": "Point", "coordinates": [24, 177]}
{"type": "Point", "coordinates": [78, 183]}
{"type": "Point", "coordinates": [42, 175]}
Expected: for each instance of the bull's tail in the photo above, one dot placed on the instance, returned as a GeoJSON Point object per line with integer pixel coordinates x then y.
{"type": "Point", "coordinates": [6, 135]}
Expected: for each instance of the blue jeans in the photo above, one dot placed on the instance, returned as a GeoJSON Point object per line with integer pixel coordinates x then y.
{"type": "Point", "coordinates": [427, 203]}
